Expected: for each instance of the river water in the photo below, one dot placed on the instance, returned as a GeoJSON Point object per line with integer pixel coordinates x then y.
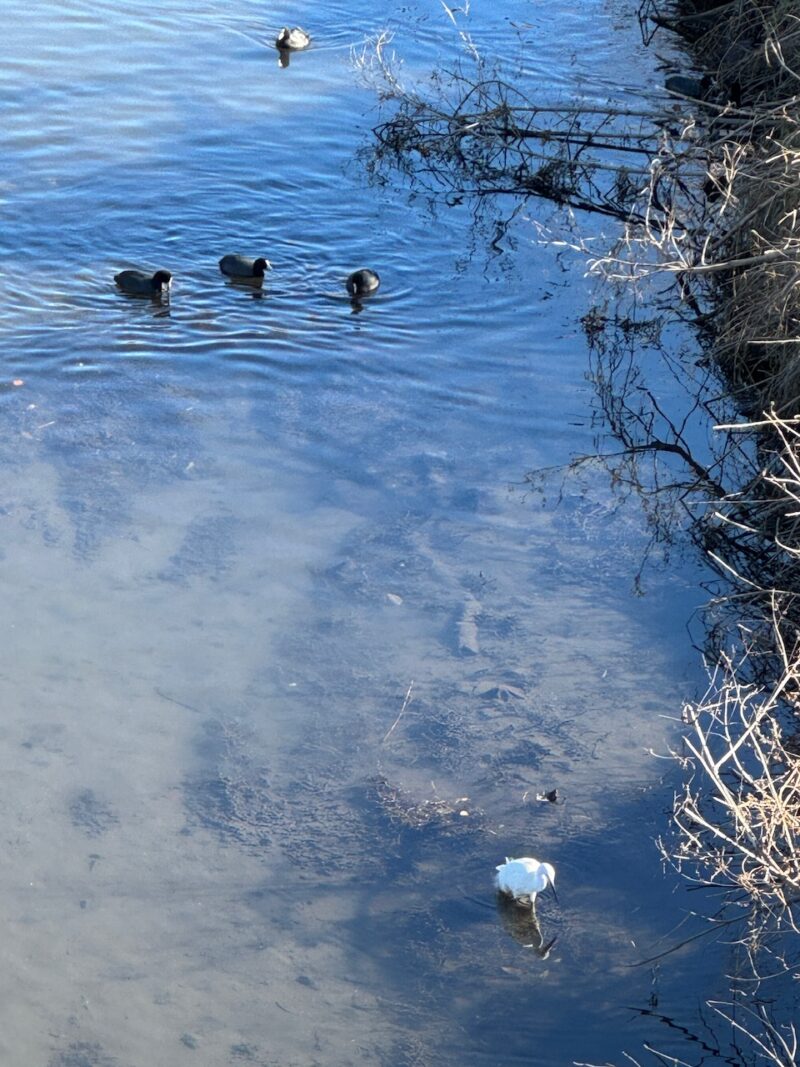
{"type": "Point", "coordinates": [242, 526]}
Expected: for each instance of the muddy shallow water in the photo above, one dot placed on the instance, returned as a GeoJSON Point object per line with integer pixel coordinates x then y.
{"type": "Point", "coordinates": [240, 526]}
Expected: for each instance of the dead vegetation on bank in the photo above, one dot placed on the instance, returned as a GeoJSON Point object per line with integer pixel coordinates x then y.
{"type": "Point", "coordinates": [707, 186]}
{"type": "Point", "coordinates": [739, 264]}
{"type": "Point", "coordinates": [720, 212]}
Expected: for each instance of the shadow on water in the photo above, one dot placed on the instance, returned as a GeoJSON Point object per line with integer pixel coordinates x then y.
{"type": "Point", "coordinates": [363, 855]}
{"type": "Point", "coordinates": [83, 1054]}
{"type": "Point", "coordinates": [398, 883]}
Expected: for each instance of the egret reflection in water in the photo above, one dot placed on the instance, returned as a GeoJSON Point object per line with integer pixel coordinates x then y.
{"type": "Point", "coordinates": [521, 924]}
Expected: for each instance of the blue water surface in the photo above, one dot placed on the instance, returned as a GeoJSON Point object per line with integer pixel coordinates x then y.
{"type": "Point", "coordinates": [289, 647]}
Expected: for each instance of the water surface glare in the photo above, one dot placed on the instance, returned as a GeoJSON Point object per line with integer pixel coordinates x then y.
{"type": "Point", "coordinates": [239, 523]}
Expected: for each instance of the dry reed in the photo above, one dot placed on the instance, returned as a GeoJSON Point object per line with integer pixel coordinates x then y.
{"type": "Point", "coordinates": [709, 191]}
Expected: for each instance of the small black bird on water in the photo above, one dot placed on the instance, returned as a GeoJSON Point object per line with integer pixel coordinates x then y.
{"type": "Point", "coordinates": [294, 40]}
{"type": "Point", "coordinates": [362, 282]}
{"type": "Point", "coordinates": [236, 266]}
{"type": "Point", "coordinates": [140, 283]}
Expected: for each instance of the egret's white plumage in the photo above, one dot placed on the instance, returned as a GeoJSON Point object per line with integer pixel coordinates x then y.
{"type": "Point", "coordinates": [523, 878]}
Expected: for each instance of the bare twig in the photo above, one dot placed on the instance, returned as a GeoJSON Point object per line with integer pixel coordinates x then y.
{"type": "Point", "coordinates": [391, 729]}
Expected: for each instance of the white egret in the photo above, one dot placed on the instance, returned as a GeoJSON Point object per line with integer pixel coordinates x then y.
{"type": "Point", "coordinates": [523, 878]}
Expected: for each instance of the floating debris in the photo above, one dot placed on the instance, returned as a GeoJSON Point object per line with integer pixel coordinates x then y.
{"type": "Point", "coordinates": [497, 689]}
{"type": "Point", "coordinates": [403, 809]}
